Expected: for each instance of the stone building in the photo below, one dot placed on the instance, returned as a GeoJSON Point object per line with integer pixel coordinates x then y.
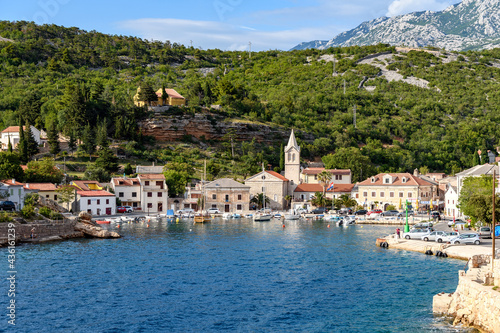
{"type": "Point", "coordinates": [227, 195]}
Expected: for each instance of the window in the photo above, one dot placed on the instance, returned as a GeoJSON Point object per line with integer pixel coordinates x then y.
{"type": "Point", "coordinates": [134, 204]}
{"type": "Point", "coordinates": [239, 196]}
{"type": "Point", "coordinates": [365, 194]}
{"type": "Point", "coordinates": [120, 194]}
{"type": "Point", "coordinates": [146, 183]}
{"type": "Point", "coordinates": [239, 207]}
{"type": "Point", "coordinates": [374, 194]}
{"type": "Point", "coordinates": [357, 195]}
{"type": "Point", "coordinates": [88, 202]}
{"type": "Point", "coordinates": [150, 205]}
{"type": "Point", "coordinates": [227, 197]}
{"type": "Point", "coordinates": [382, 194]}
{"type": "Point", "coordinates": [401, 194]}
{"type": "Point", "coordinates": [289, 157]}
{"type": "Point", "coordinates": [391, 194]}
{"type": "Point", "coordinates": [55, 197]}
{"type": "Point", "coordinates": [293, 157]}
{"type": "Point", "coordinates": [150, 194]}
{"type": "Point", "coordinates": [275, 197]}
{"type": "Point", "coordinates": [98, 201]}
{"type": "Point", "coordinates": [47, 196]}
{"type": "Point", "coordinates": [340, 177]}
{"type": "Point", "coordinates": [373, 179]}
{"type": "Point", "coordinates": [107, 201]}
{"type": "Point", "coordinates": [409, 194]}
{"type": "Point", "coordinates": [160, 194]}
{"type": "Point", "coordinates": [214, 196]}
{"type": "Point", "coordinates": [315, 177]}
{"type": "Point", "coordinates": [134, 194]}
{"type": "Point", "coordinates": [387, 181]}
{"type": "Point", "coordinates": [159, 184]}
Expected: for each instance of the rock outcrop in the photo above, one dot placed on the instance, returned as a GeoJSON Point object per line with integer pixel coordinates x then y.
{"type": "Point", "coordinates": [89, 228]}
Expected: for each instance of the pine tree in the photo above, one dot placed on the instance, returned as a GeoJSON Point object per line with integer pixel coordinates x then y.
{"type": "Point", "coordinates": [53, 137]}
{"type": "Point", "coordinates": [475, 159]}
{"type": "Point", "coordinates": [102, 135]}
{"type": "Point", "coordinates": [9, 146]}
{"type": "Point", "coordinates": [88, 140]}
{"type": "Point", "coordinates": [164, 94]}
{"type": "Point", "coordinates": [282, 158]}
{"type": "Point", "coordinates": [22, 145]}
{"type": "Point", "coordinates": [31, 144]}
{"type": "Point", "coordinates": [72, 142]}
{"type": "Point", "coordinates": [147, 94]}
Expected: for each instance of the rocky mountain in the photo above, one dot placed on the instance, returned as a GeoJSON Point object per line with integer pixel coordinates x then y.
{"type": "Point", "coordinates": [471, 24]}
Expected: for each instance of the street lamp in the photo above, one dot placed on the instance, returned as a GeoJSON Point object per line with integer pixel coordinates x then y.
{"type": "Point", "coordinates": [407, 227]}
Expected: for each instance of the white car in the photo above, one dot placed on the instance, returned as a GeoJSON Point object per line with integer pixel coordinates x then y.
{"type": "Point", "coordinates": [457, 221]}
{"type": "Point", "coordinates": [213, 211]}
{"type": "Point", "coordinates": [446, 237]}
{"type": "Point", "coordinates": [416, 233]}
{"type": "Point", "coordinates": [471, 238]}
{"type": "Point", "coordinates": [433, 235]}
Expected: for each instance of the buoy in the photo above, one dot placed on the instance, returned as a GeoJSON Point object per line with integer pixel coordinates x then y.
{"type": "Point", "coordinates": [328, 226]}
{"type": "Point", "coordinates": [177, 220]}
{"type": "Point", "coordinates": [148, 225]}
{"type": "Point", "coordinates": [283, 225]}
{"type": "Point", "coordinates": [117, 225]}
{"type": "Point", "coordinates": [361, 226]}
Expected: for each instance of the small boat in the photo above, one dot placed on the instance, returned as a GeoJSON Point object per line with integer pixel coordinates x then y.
{"type": "Point", "coordinates": [202, 218]}
{"type": "Point", "coordinates": [236, 216]}
{"type": "Point", "coordinates": [277, 216]}
{"type": "Point", "coordinates": [103, 222]}
{"type": "Point", "coordinates": [292, 217]}
{"type": "Point", "coordinates": [248, 216]}
{"type": "Point", "coordinates": [226, 216]}
{"type": "Point", "coordinates": [262, 217]}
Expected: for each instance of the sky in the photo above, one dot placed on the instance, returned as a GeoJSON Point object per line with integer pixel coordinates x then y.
{"type": "Point", "coordinates": [223, 24]}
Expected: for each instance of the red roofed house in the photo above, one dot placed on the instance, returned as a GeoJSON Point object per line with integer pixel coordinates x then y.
{"type": "Point", "coordinates": [12, 133]}
{"type": "Point", "coordinates": [154, 193]}
{"type": "Point", "coordinates": [128, 190]}
{"type": "Point", "coordinates": [394, 189]}
{"type": "Point", "coordinates": [87, 185]}
{"type": "Point", "coordinates": [98, 202]}
{"type": "Point", "coordinates": [14, 191]}
{"type": "Point", "coordinates": [272, 184]}
{"type": "Point", "coordinates": [45, 190]}
{"type": "Point", "coordinates": [339, 176]}
{"type": "Point", "coordinates": [172, 98]}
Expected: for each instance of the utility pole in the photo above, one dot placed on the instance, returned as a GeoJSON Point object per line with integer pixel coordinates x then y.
{"type": "Point", "coordinates": [354, 115]}
{"type": "Point", "coordinates": [493, 222]}
{"type": "Point", "coordinates": [249, 50]}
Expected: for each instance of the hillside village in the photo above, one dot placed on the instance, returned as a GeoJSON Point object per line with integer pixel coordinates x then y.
{"type": "Point", "coordinates": [298, 187]}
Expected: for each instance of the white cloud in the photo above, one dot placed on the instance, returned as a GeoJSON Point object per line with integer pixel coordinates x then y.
{"type": "Point", "coordinates": [210, 34]}
{"type": "Point", "coordinates": [401, 7]}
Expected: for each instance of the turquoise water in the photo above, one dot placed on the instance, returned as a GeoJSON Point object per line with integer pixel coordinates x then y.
{"type": "Point", "coordinates": [237, 276]}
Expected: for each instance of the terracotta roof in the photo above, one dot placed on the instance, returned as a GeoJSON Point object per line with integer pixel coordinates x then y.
{"type": "Point", "coordinates": [315, 171]}
{"type": "Point", "coordinates": [277, 175]}
{"type": "Point", "coordinates": [40, 186]}
{"type": "Point", "coordinates": [24, 167]}
{"type": "Point", "coordinates": [151, 176]}
{"type": "Point", "coordinates": [100, 193]}
{"type": "Point", "coordinates": [13, 129]}
{"type": "Point", "coordinates": [125, 181]}
{"type": "Point", "coordinates": [174, 94]}
{"type": "Point", "coordinates": [82, 184]}
{"type": "Point", "coordinates": [318, 188]}
{"type": "Point", "coordinates": [398, 180]}
{"type": "Point", "coordinates": [12, 183]}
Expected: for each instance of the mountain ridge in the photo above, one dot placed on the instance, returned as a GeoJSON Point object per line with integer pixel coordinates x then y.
{"type": "Point", "coordinates": [469, 25]}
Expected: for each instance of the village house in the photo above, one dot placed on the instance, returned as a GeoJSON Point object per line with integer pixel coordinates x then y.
{"type": "Point", "coordinates": [451, 202]}
{"type": "Point", "coordinates": [154, 193]}
{"type": "Point", "coordinates": [338, 176]}
{"type": "Point", "coordinates": [395, 189]}
{"type": "Point", "coordinates": [87, 185]}
{"type": "Point", "coordinates": [304, 193]}
{"type": "Point", "coordinates": [227, 195]}
{"type": "Point", "coordinates": [128, 190]}
{"type": "Point", "coordinates": [273, 185]}
{"type": "Point", "coordinates": [98, 202]}
{"type": "Point", "coordinates": [11, 134]}
{"type": "Point", "coordinates": [12, 190]}
{"type": "Point", "coordinates": [172, 98]}
{"type": "Point", "coordinates": [44, 190]}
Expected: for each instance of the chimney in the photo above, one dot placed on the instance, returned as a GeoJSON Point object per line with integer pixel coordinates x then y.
{"type": "Point", "coordinates": [13, 181]}
{"type": "Point", "coordinates": [27, 185]}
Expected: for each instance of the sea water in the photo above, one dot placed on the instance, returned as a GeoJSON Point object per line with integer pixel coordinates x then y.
{"type": "Point", "coordinates": [229, 276]}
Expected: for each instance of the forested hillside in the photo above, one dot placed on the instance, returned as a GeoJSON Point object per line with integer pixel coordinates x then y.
{"type": "Point", "coordinates": [66, 78]}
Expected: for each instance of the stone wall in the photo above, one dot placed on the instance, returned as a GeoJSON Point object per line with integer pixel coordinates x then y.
{"type": "Point", "coordinates": [64, 229]}
{"type": "Point", "coordinates": [474, 304]}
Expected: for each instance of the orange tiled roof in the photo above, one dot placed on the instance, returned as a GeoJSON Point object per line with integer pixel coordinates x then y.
{"type": "Point", "coordinates": [174, 94]}
{"type": "Point", "coordinates": [277, 175]}
{"type": "Point", "coordinates": [12, 183]}
{"type": "Point", "coordinates": [40, 186]}
{"type": "Point", "coordinates": [125, 181]}
{"type": "Point", "coordinates": [82, 184]}
{"type": "Point", "coordinates": [151, 176]}
{"type": "Point", "coordinates": [398, 181]}
{"type": "Point", "coordinates": [100, 193]}
{"type": "Point", "coordinates": [13, 129]}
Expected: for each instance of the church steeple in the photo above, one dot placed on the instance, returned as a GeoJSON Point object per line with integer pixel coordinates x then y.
{"type": "Point", "coordinates": [292, 143]}
{"type": "Point", "coordinates": [292, 162]}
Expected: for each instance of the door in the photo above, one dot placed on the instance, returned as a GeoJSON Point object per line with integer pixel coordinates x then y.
{"type": "Point", "coordinates": [160, 206]}
{"type": "Point", "coordinates": [108, 210]}
{"type": "Point", "coordinates": [226, 208]}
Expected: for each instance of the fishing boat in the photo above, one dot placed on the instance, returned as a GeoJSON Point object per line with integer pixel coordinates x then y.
{"type": "Point", "coordinates": [292, 215]}
{"type": "Point", "coordinates": [103, 222]}
{"type": "Point", "coordinates": [262, 217]}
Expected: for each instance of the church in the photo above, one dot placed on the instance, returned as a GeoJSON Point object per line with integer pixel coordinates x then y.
{"type": "Point", "coordinates": [276, 186]}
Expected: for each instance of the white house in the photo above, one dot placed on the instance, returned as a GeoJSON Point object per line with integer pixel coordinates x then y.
{"type": "Point", "coordinates": [97, 202]}
{"type": "Point", "coordinates": [154, 193]}
{"type": "Point", "coordinates": [128, 190]}
{"type": "Point", "coordinates": [12, 133]}
{"type": "Point", "coordinates": [451, 202]}
{"type": "Point", "coordinates": [13, 190]}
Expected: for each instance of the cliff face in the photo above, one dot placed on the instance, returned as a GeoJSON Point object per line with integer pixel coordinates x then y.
{"type": "Point", "coordinates": [209, 127]}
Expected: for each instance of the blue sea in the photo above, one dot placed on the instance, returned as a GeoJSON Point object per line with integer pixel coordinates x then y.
{"type": "Point", "coordinates": [228, 276]}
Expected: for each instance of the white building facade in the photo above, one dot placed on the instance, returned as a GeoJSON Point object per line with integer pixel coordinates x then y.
{"type": "Point", "coordinates": [154, 193]}
{"type": "Point", "coordinates": [97, 202]}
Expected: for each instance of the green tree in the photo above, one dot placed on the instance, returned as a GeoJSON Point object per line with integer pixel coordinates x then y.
{"type": "Point", "coordinates": [324, 178]}
{"type": "Point", "coordinates": [30, 109]}
{"type": "Point", "coordinates": [213, 170]}
{"type": "Point", "coordinates": [176, 182]}
{"type": "Point", "coordinates": [43, 171]}
{"type": "Point", "coordinates": [102, 135]}
{"type": "Point", "coordinates": [96, 173]}
{"type": "Point", "coordinates": [9, 146]}
{"type": "Point", "coordinates": [319, 200]}
{"type": "Point", "coordinates": [72, 142]}
{"type": "Point", "coordinates": [475, 199]}
{"type": "Point", "coordinates": [128, 170]}
{"type": "Point", "coordinates": [259, 200]}
{"type": "Point", "coordinates": [107, 160]}
{"type": "Point", "coordinates": [350, 158]}
{"type": "Point", "coordinates": [22, 145]}
{"type": "Point", "coordinates": [147, 94]}
{"type": "Point", "coordinates": [66, 194]}
{"type": "Point", "coordinates": [475, 158]}
{"type": "Point", "coordinates": [53, 138]}
{"type": "Point", "coordinates": [88, 139]}
{"type": "Point", "coordinates": [347, 201]}
{"type": "Point", "coordinates": [10, 166]}
{"type": "Point", "coordinates": [282, 158]}
{"type": "Point", "coordinates": [31, 144]}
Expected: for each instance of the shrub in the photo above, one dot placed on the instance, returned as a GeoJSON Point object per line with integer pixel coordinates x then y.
{"type": "Point", "coordinates": [28, 211]}
{"type": "Point", "coordinates": [5, 217]}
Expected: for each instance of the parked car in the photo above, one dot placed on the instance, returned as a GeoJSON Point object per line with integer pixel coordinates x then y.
{"type": "Point", "coordinates": [345, 211]}
{"type": "Point", "coordinates": [416, 233]}
{"type": "Point", "coordinates": [389, 213]}
{"type": "Point", "coordinates": [484, 232]}
{"type": "Point", "coordinates": [185, 211]}
{"type": "Point", "coordinates": [124, 209]}
{"type": "Point", "coordinates": [472, 238]}
{"type": "Point", "coordinates": [361, 212]}
{"type": "Point", "coordinates": [319, 210]}
{"type": "Point", "coordinates": [452, 222]}
{"type": "Point", "coordinates": [424, 225]}
{"type": "Point", "coordinates": [446, 237]}
{"type": "Point", "coordinates": [375, 211]}
{"type": "Point", "coordinates": [213, 211]}
{"type": "Point", "coordinates": [7, 205]}
{"type": "Point", "coordinates": [403, 214]}
{"type": "Point", "coordinates": [433, 235]}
